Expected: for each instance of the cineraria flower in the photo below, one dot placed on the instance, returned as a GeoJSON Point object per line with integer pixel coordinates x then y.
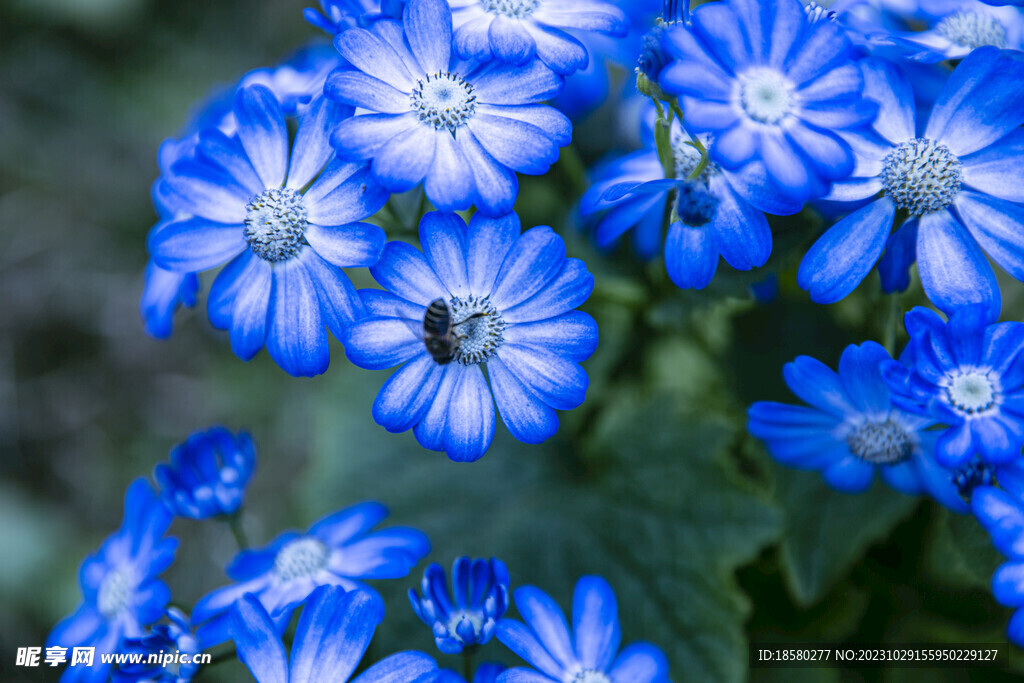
{"type": "Point", "coordinates": [967, 374]}
{"type": "Point", "coordinates": [173, 638]}
{"type": "Point", "coordinates": [164, 292]}
{"type": "Point", "coordinates": [208, 473]}
{"type": "Point", "coordinates": [516, 31]}
{"type": "Point", "coordinates": [331, 637]}
{"type": "Point", "coordinates": [960, 183]}
{"type": "Point", "coordinates": [486, 295]}
{"type": "Point", "coordinates": [461, 128]}
{"type": "Point", "coordinates": [851, 430]}
{"type": "Point", "coordinates": [1003, 518]}
{"type": "Point", "coordinates": [588, 655]}
{"type": "Point", "coordinates": [336, 16]}
{"type": "Point", "coordinates": [467, 615]}
{"type": "Point", "coordinates": [769, 85]}
{"type": "Point", "coordinates": [295, 82]}
{"type": "Point", "coordinates": [285, 224]}
{"type": "Point", "coordinates": [487, 672]}
{"type": "Point", "coordinates": [709, 217]}
{"type": "Point", "coordinates": [121, 592]}
{"type": "Point", "coordinates": [341, 549]}
{"type": "Point", "coordinates": [957, 28]}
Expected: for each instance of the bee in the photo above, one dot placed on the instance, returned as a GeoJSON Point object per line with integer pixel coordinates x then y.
{"type": "Point", "coordinates": [439, 334]}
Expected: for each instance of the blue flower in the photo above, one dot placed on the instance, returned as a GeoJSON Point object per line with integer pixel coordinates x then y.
{"type": "Point", "coordinates": [509, 299]}
{"type": "Point", "coordinates": [709, 216]}
{"type": "Point", "coordinates": [961, 183]}
{"type": "Point", "coordinates": [173, 637]}
{"type": "Point", "coordinates": [967, 374]}
{"type": "Point", "coordinates": [121, 594]}
{"type": "Point", "coordinates": [461, 128]}
{"type": "Point", "coordinates": [336, 16]}
{"type": "Point", "coordinates": [480, 590]}
{"type": "Point", "coordinates": [208, 473]}
{"type": "Point", "coordinates": [516, 31]}
{"type": "Point", "coordinates": [771, 87]}
{"type": "Point", "coordinates": [487, 672]}
{"type": "Point", "coordinates": [295, 82]}
{"type": "Point", "coordinates": [165, 291]}
{"type": "Point", "coordinates": [852, 429]}
{"type": "Point", "coordinates": [331, 637]}
{"type": "Point", "coordinates": [957, 28]}
{"type": "Point", "coordinates": [589, 655]}
{"type": "Point", "coordinates": [1002, 516]}
{"type": "Point", "coordinates": [285, 224]}
{"type": "Point", "coordinates": [341, 549]}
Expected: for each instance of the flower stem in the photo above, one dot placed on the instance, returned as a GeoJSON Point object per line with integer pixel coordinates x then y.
{"type": "Point", "coordinates": [892, 323]}
{"type": "Point", "coordinates": [467, 664]}
{"type": "Point", "coordinates": [235, 524]}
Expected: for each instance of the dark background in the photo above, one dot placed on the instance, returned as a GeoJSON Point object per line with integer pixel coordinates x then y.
{"type": "Point", "coordinates": [652, 483]}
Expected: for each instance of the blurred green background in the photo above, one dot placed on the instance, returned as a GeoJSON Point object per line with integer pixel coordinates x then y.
{"type": "Point", "coordinates": [652, 483]}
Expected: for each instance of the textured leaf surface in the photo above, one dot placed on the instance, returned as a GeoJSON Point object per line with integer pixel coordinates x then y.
{"type": "Point", "coordinates": [828, 532]}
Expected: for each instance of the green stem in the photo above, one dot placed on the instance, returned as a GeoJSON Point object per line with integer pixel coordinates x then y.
{"type": "Point", "coordinates": [892, 323]}
{"type": "Point", "coordinates": [235, 524]}
{"type": "Point", "coordinates": [679, 112]}
{"type": "Point", "coordinates": [467, 664]}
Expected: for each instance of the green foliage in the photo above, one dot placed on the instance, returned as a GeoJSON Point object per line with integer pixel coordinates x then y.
{"type": "Point", "coordinates": [828, 532]}
{"type": "Point", "coordinates": [960, 553]}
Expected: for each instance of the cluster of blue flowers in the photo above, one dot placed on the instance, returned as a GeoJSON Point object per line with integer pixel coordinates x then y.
{"type": "Point", "coordinates": [323, 572]}
{"type": "Point", "coordinates": [900, 125]}
{"type": "Point", "coordinates": [412, 95]}
{"type": "Point", "coordinates": [945, 420]}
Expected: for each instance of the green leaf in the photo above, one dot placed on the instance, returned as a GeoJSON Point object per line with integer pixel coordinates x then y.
{"type": "Point", "coordinates": [827, 532]}
{"type": "Point", "coordinates": [959, 552]}
{"type": "Point", "coordinates": [652, 502]}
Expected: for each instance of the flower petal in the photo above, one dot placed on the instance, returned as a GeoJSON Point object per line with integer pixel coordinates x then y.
{"type": "Point", "coordinates": [535, 258]}
{"type": "Point", "coordinates": [556, 380]}
{"type": "Point", "coordinates": [347, 246]}
{"type": "Point", "coordinates": [953, 270]}
{"type": "Point", "coordinates": [407, 394]}
{"type": "Point", "coordinates": [333, 633]}
{"type": "Point", "coordinates": [526, 417]}
{"type": "Point", "coordinates": [379, 343]}
{"type": "Point", "coordinates": [405, 271]}
{"type": "Point", "coordinates": [442, 236]}
{"type": "Point", "coordinates": [195, 244]}
{"type": "Point", "coordinates": [263, 133]}
{"type": "Point", "coordinates": [250, 311]}
{"type": "Point", "coordinates": [691, 257]}
{"type": "Point", "coordinates": [256, 641]}
{"type": "Point", "coordinates": [469, 428]}
{"type": "Point", "coordinates": [428, 28]}
{"type": "Point", "coordinates": [297, 338]}
{"type": "Point", "coordinates": [846, 253]}
{"type": "Point", "coordinates": [595, 623]}
{"type": "Point", "coordinates": [980, 103]}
